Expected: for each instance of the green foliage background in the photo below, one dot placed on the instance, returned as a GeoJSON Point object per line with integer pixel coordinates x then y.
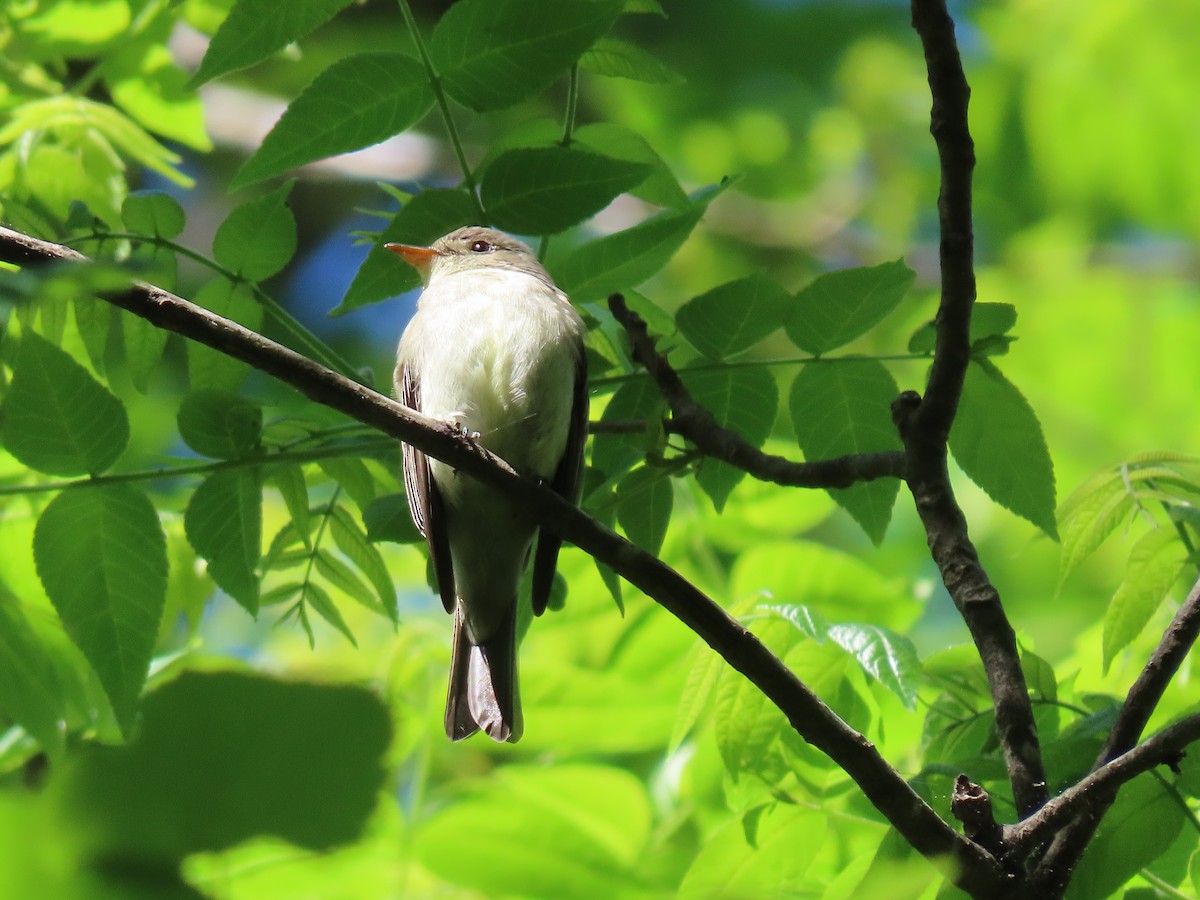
{"type": "Point", "coordinates": [177, 526]}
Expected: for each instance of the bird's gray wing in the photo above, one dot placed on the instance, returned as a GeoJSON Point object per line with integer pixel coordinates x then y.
{"type": "Point", "coordinates": [424, 499]}
{"type": "Point", "coordinates": [567, 481]}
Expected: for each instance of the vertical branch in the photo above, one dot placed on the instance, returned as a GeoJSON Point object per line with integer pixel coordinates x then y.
{"type": "Point", "coordinates": [924, 423]}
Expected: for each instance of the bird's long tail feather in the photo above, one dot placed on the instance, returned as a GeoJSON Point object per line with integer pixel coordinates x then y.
{"type": "Point", "coordinates": [483, 683]}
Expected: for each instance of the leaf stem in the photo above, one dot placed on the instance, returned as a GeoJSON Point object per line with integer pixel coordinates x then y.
{"type": "Point", "coordinates": [313, 344]}
{"type": "Point", "coordinates": [435, 81]}
{"type": "Point", "coordinates": [357, 448]}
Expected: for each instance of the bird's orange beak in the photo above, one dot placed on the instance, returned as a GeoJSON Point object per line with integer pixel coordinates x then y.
{"type": "Point", "coordinates": [417, 257]}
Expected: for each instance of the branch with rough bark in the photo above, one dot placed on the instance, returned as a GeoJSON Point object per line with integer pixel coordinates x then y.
{"type": "Point", "coordinates": [975, 870]}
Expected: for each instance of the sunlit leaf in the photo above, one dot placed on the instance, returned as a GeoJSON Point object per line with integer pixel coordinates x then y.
{"type": "Point", "coordinates": [358, 101]}
{"type": "Point", "coordinates": [998, 441]}
{"type": "Point", "coordinates": [844, 408]}
{"type": "Point", "coordinates": [493, 53]}
{"type": "Point", "coordinates": [888, 657]}
{"type": "Point", "coordinates": [323, 604]}
{"type": "Point", "coordinates": [57, 418]}
{"type": "Point", "coordinates": [102, 558]}
{"type": "Point", "coordinates": [660, 187]}
{"type": "Point", "coordinates": [1155, 561]}
{"type": "Point", "coordinates": [352, 541]}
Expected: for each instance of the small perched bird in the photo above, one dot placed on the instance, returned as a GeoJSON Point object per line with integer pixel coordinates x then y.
{"type": "Point", "coordinates": [497, 349]}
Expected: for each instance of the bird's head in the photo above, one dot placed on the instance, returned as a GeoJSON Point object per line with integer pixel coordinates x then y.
{"type": "Point", "coordinates": [470, 249]}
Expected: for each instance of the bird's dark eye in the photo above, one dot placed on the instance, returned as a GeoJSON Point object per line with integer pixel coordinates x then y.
{"type": "Point", "coordinates": [481, 247]}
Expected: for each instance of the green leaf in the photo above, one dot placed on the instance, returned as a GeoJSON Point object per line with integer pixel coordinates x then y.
{"type": "Point", "coordinates": [888, 657]}
{"type": "Point", "coordinates": [145, 82]}
{"type": "Point", "coordinates": [493, 53]}
{"type": "Point", "coordinates": [743, 400]}
{"type": "Point", "coordinates": [735, 316]}
{"type": "Point", "coordinates": [1155, 561]}
{"type": "Point", "coordinates": [352, 476]}
{"type": "Point", "coordinates": [209, 368]}
{"type": "Point", "coordinates": [93, 320]}
{"type": "Point", "coordinates": [644, 501]}
{"type": "Point", "coordinates": [998, 441]}
{"type": "Point", "coordinates": [341, 576]}
{"type": "Point", "coordinates": [643, 6]}
{"type": "Point", "coordinates": [223, 523]}
{"type": "Point", "coordinates": [256, 29]}
{"type": "Point", "coordinates": [623, 260]}
{"type": "Point", "coordinates": [987, 320]}
{"type": "Point", "coordinates": [844, 407]}
{"type": "Point", "coordinates": [30, 692]}
{"type": "Point", "coordinates": [727, 865]}
{"type": "Point", "coordinates": [319, 600]}
{"type": "Point", "coordinates": [258, 238]}
{"type": "Point", "coordinates": [621, 59]}
{"type": "Point", "coordinates": [542, 190]}
{"type": "Point", "coordinates": [568, 831]}
{"type": "Point", "coordinates": [619, 142]}
{"type": "Point", "coordinates": [840, 306]}
{"type": "Point", "coordinates": [387, 519]}
{"type": "Point", "coordinates": [1143, 823]}
{"type": "Point", "coordinates": [222, 757]}
{"type": "Point", "coordinates": [390, 94]}
{"type": "Point", "coordinates": [422, 220]}
{"type": "Point", "coordinates": [220, 424]}
{"type": "Point", "coordinates": [289, 480]}
{"type": "Point", "coordinates": [144, 346]}
{"type": "Point", "coordinates": [153, 213]}
{"type": "Point", "coordinates": [613, 454]}
{"type": "Point", "coordinates": [1087, 520]}
{"type": "Point", "coordinates": [352, 541]}
{"type": "Point", "coordinates": [810, 622]}
{"type": "Point", "coordinates": [57, 418]}
{"type": "Point", "coordinates": [696, 697]}
{"type": "Point", "coordinates": [102, 557]}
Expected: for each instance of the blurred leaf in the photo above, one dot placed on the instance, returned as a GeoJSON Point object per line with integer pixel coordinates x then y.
{"type": "Point", "coordinates": [493, 53]}
{"type": "Point", "coordinates": [153, 213]}
{"type": "Point", "coordinates": [623, 260]}
{"type": "Point", "coordinates": [144, 346]}
{"type": "Point", "coordinates": [566, 831]}
{"type": "Point", "coordinates": [644, 500]}
{"type": "Point", "coordinates": [643, 6]}
{"type": "Point", "coordinates": [102, 557]}
{"type": "Point", "coordinates": [735, 316]}
{"type": "Point", "coordinates": [840, 306]}
{"type": "Point", "coordinates": [745, 400]}
{"type": "Point", "coordinates": [222, 757]}
{"type": "Point", "coordinates": [696, 697]}
{"type": "Point", "coordinates": [888, 657]}
{"type": "Point", "coordinates": [224, 523]}
{"type": "Point", "coordinates": [388, 519]}
{"type": "Point", "coordinates": [353, 477]}
{"type": "Point", "coordinates": [841, 408]}
{"type": "Point", "coordinates": [391, 94]}
{"type": "Point", "coordinates": [542, 190]}
{"type": "Point", "coordinates": [93, 319]}
{"type": "Point", "coordinates": [30, 692]}
{"type": "Point", "coordinates": [621, 59]}
{"type": "Point", "coordinates": [1040, 677]}
{"type": "Point", "coordinates": [256, 29]}
{"type": "Point", "coordinates": [998, 441]}
{"type": "Point", "coordinates": [1141, 824]}
{"type": "Point", "coordinates": [352, 541]}
{"type": "Point", "coordinates": [145, 82]}
{"type": "Point", "coordinates": [57, 418]}
{"type": "Point", "coordinates": [425, 217]}
{"type": "Point", "coordinates": [1155, 562]}
{"type": "Point", "coordinates": [209, 368]}
{"type": "Point", "coordinates": [219, 424]}
{"type": "Point", "coordinates": [258, 238]}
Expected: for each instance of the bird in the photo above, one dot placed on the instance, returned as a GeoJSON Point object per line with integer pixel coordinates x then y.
{"type": "Point", "coordinates": [496, 349]}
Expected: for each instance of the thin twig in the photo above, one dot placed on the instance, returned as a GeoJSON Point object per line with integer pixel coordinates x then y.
{"type": "Point", "coordinates": [924, 423]}
{"type": "Point", "coordinates": [694, 422]}
{"type": "Point", "coordinates": [974, 870]}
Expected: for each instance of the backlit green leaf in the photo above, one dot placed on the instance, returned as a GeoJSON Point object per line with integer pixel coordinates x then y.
{"type": "Point", "coordinates": [258, 238]}
{"type": "Point", "coordinates": [840, 306]}
{"type": "Point", "coordinates": [358, 101]}
{"type": "Point", "coordinates": [102, 557]}
{"type": "Point", "coordinates": [841, 408]}
{"type": "Point", "coordinates": [619, 142]}
{"type": "Point", "coordinates": [1155, 561]}
{"type": "Point", "coordinates": [153, 213]}
{"type": "Point", "coordinates": [998, 441]}
{"type": "Point", "coordinates": [542, 190]}
{"type": "Point", "coordinates": [224, 524]}
{"type": "Point", "coordinates": [57, 418]}
{"type": "Point", "coordinates": [30, 692]}
{"type": "Point", "coordinates": [256, 29]}
{"type": "Point", "coordinates": [493, 53]}
{"type": "Point", "coordinates": [621, 59]}
{"type": "Point", "coordinates": [888, 657]}
{"type": "Point", "coordinates": [644, 501]}
{"type": "Point", "coordinates": [735, 316]}
{"type": "Point", "coordinates": [352, 541]}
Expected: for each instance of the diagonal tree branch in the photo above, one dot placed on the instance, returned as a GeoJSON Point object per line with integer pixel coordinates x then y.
{"type": "Point", "coordinates": [1054, 870]}
{"type": "Point", "coordinates": [924, 423]}
{"type": "Point", "coordinates": [694, 422]}
{"type": "Point", "coordinates": [974, 869]}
